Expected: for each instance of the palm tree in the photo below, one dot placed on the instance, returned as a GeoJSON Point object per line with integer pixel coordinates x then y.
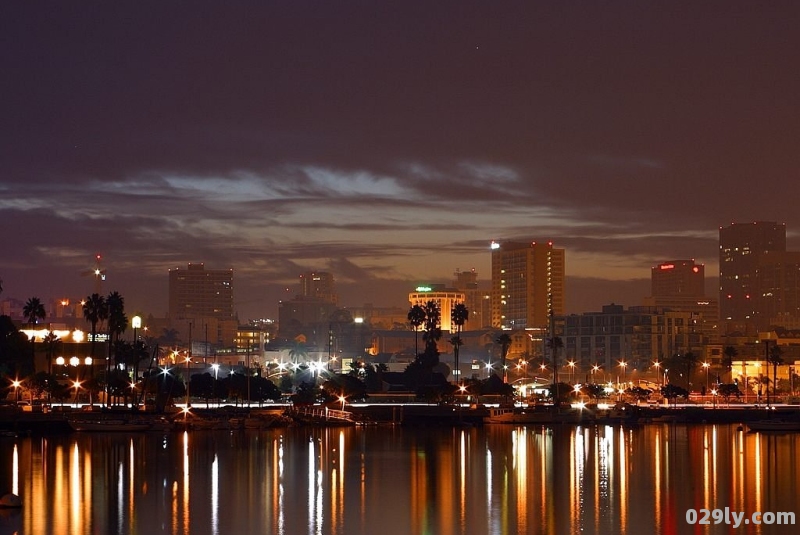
{"type": "Point", "coordinates": [433, 331]}
{"type": "Point", "coordinates": [776, 360]}
{"type": "Point", "coordinates": [298, 350]}
{"type": "Point", "coordinates": [505, 342]}
{"type": "Point", "coordinates": [117, 321]}
{"type": "Point", "coordinates": [51, 342]}
{"type": "Point", "coordinates": [416, 317]}
{"type": "Point", "coordinates": [690, 360]}
{"type": "Point", "coordinates": [459, 315]}
{"type": "Point", "coordinates": [33, 312]}
{"type": "Point", "coordinates": [730, 353]}
{"type": "Point", "coordinates": [555, 343]}
{"type": "Point", "coordinates": [95, 310]}
{"type": "Point", "coordinates": [456, 342]}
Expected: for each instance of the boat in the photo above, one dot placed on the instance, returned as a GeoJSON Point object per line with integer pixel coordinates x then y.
{"type": "Point", "coordinates": [774, 425]}
{"type": "Point", "coordinates": [10, 501]}
{"type": "Point", "coordinates": [521, 416]}
{"type": "Point", "coordinates": [109, 425]}
{"type": "Point", "coordinates": [511, 415]}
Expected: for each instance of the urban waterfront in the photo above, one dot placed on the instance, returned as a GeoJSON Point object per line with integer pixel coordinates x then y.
{"type": "Point", "coordinates": [493, 479]}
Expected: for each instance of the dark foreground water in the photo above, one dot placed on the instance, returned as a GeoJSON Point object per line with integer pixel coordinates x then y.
{"type": "Point", "coordinates": [401, 481]}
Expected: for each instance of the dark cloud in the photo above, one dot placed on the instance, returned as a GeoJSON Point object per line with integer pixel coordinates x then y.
{"type": "Point", "coordinates": [388, 142]}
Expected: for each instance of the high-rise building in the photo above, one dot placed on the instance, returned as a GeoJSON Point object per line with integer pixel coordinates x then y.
{"type": "Point", "coordinates": [477, 301]}
{"type": "Point", "coordinates": [527, 284]}
{"type": "Point", "coordinates": [679, 286]}
{"type": "Point", "coordinates": [741, 246]}
{"type": "Point", "coordinates": [319, 285]}
{"type": "Point", "coordinates": [778, 284]}
{"type": "Point", "coordinates": [196, 292]}
{"type": "Point", "coordinates": [678, 278]}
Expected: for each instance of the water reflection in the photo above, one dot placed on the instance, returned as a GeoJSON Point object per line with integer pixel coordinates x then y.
{"type": "Point", "coordinates": [497, 480]}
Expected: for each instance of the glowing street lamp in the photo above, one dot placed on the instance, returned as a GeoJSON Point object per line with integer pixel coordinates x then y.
{"type": "Point", "coordinates": [136, 323]}
{"type": "Point", "coordinates": [342, 399]}
{"type": "Point", "coordinates": [16, 384]}
{"type": "Point", "coordinates": [624, 366]}
{"type": "Point", "coordinates": [706, 365]}
{"type": "Point", "coordinates": [571, 365]}
{"type": "Point", "coordinates": [76, 385]}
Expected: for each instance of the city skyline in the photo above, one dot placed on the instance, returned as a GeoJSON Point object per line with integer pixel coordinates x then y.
{"type": "Point", "coordinates": [388, 144]}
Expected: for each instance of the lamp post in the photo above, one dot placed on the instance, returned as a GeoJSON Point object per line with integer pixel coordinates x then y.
{"type": "Point", "coordinates": [188, 360]}
{"type": "Point", "coordinates": [657, 365]}
{"type": "Point", "coordinates": [706, 365]}
{"type": "Point", "coordinates": [136, 323]}
{"type": "Point", "coordinates": [571, 365]}
{"type": "Point", "coordinates": [623, 365]}
{"type": "Point", "coordinates": [16, 384]}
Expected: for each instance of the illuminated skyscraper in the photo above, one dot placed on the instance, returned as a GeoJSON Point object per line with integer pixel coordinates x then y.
{"type": "Point", "coordinates": [527, 283]}
{"type": "Point", "coordinates": [741, 248]}
{"type": "Point", "coordinates": [195, 292]}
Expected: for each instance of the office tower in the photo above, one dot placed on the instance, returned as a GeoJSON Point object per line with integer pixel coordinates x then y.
{"type": "Point", "coordinates": [741, 246]}
{"type": "Point", "coordinates": [319, 285]}
{"type": "Point", "coordinates": [678, 278]}
{"type": "Point", "coordinates": [527, 283]}
{"type": "Point", "coordinates": [778, 283]}
{"type": "Point", "coordinates": [195, 292]}
{"type": "Point", "coordinates": [679, 286]}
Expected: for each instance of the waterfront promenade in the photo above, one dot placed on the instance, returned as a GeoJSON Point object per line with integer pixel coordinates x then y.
{"type": "Point", "coordinates": [55, 420]}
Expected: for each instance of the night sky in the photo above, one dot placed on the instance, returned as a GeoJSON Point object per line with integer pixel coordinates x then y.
{"type": "Point", "coordinates": [387, 142]}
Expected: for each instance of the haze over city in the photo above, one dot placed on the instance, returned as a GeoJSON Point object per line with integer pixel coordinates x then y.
{"type": "Point", "coordinates": [387, 143]}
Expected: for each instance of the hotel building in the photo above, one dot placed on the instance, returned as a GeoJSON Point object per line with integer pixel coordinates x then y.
{"type": "Point", "coordinates": [527, 284]}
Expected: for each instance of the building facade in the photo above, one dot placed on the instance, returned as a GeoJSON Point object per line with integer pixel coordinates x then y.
{"type": "Point", "coordinates": [319, 285]}
{"type": "Point", "coordinates": [477, 301]}
{"type": "Point", "coordinates": [679, 285]}
{"type": "Point", "coordinates": [741, 247]}
{"type": "Point", "coordinates": [527, 284]}
{"type": "Point", "coordinates": [445, 299]}
{"type": "Point", "coordinates": [196, 292]}
{"type": "Point", "coordinates": [637, 336]}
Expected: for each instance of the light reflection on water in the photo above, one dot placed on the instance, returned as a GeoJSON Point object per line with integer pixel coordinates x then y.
{"type": "Point", "coordinates": [495, 480]}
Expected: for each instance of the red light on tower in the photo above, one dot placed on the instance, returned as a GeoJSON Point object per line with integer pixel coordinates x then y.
{"type": "Point", "coordinates": [696, 269]}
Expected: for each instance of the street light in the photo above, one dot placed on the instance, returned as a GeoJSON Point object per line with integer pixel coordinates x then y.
{"type": "Point", "coordinates": [16, 384]}
{"type": "Point", "coordinates": [706, 365]}
{"type": "Point", "coordinates": [623, 365]}
{"type": "Point", "coordinates": [657, 365]}
{"type": "Point", "coordinates": [571, 365]}
{"type": "Point", "coordinates": [136, 323]}
{"type": "Point", "coordinates": [76, 385]}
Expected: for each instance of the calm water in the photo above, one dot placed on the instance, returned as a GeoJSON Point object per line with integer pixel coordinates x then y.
{"type": "Point", "coordinates": [399, 481]}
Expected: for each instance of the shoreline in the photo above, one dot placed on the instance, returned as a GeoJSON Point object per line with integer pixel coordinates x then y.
{"type": "Point", "coordinates": [46, 423]}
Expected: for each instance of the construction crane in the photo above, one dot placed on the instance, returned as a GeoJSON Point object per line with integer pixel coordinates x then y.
{"type": "Point", "coordinates": [98, 272]}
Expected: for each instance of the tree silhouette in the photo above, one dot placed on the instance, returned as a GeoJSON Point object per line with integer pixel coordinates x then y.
{"type": "Point", "coordinates": [416, 317]}
{"type": "Point", "coordinates": [505, 342]}
{"type": "Point", "coordinates": [459, 315]}
{"type": "Point", "coordinates": [776, 360]}
{"type": "Point", "coordinates": [33, 312]}
{"type": "Point", "coordinates": [95, 311]}
{"type": "Point", "coordinates": [690, 361]}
